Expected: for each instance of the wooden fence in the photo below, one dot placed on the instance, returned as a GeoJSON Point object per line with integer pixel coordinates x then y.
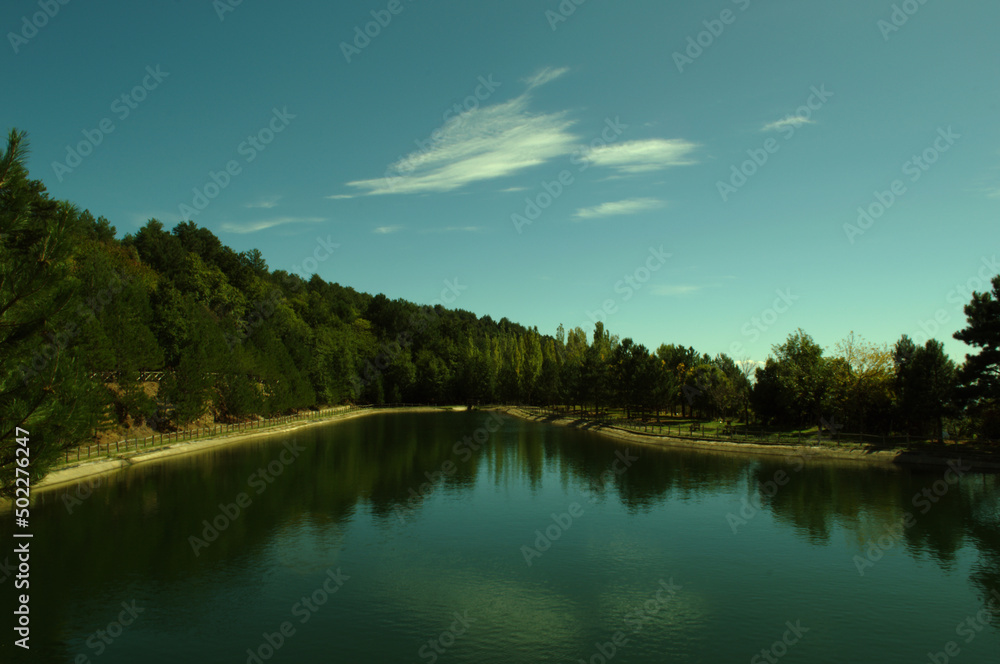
{"type": "Point", "coordinates": [743, 434]}
{"type": "Point", "coordinates": [156, 440]}
{"type": "Point", "coordinates": [84, 452]}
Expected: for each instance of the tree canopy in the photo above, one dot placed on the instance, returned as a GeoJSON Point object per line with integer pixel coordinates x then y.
{"type": "Point", "coordinates": [164, 328]}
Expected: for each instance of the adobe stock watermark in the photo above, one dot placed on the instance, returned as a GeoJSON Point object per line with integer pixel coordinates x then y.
{"type": "Point", "coordinates": [122, 107]}
{"type": "Point", "coordinates": [768, 317]}
{"type": "Point", "coordinates": [630, 283]}
{"type": "Point", "coordinates": [260, 479]}
{"type": "Point", "coordinates": [623, 461]}
{"type": "Point", "coordinates": [564, 521]}
{"type": "Point", "coordinates": [535, 205]}
{"type": "Point", "coordinates": [453, 117]}
{"type": "Point", "coordinates": [699, 43]}
{"type": "Point", "coordinates": [81, 492]}
{"type": "Point", "coordinates": [102, 639]}
{"type": "Point", "coordinates": [900, 16]}
{"type": "Point", "coordinates": [463, 449]}
{"type": "Point", "coordinates": [969, 628]}
{"type": "Point", "coordinates": [372, 29]}
{"type": "Point", "coordinates": [440, 644]}
{"type": "Point", "coordinates": [779, 648]}
{"type": "Point", "coordinates": [303, 609]}
{"type": "Point", "coordinates": [749, 508]}
{"type": "Point", "coordinates": [563, 11]}
{"type": "Point", "coordinates": [30, 25]}
{"type": "Point", "coordinates": [544, 539]}
{"type": "Point", "coordinates": [924, 500]}
{"type": "Point", "coordinates": [223, 7]}
{"type": "Point", "coordinates": [249, 149]}
{"type": "Point", "coordinates": [390, 351]}
{"type": "Point", "coordinates": [636, 620]}
{"type": "Point", "coordinates": [758, 157]}
{"type": "Point", "coordinates": [914, 168]}
{"type": "Point", "coordinates": [59, 341]}
{"type": "Point", "coordinates": [262, 310]}
{"type": "Point", "coordinates": [958, 296]}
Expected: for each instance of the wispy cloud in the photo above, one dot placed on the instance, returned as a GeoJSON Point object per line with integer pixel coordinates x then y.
{"type": "Point", "coordinates": [790, 121]}
{"type": "Point", "coordinates": [510, 190]}
{"type": "Point", "coordinates": [615, 208]}
{"type": "Point", "coordinates": [386, 230]}
{"type": "Point", "coordinates": [254, 226]}
{"type": "Point", "coordinates": [499, 140]}
{"type": "Point", "coordinates": [264, 203]}
{"type": "Point", "coordinates": [671, 290]}
{"type": "Point", "coordinates": [643, 156]}
{"type": "Point", "coordinates": [544, 76]}
{"type": "Point", "coordinates": [482, 144]}
{"type": "Point", "coordinates": [454, 229]}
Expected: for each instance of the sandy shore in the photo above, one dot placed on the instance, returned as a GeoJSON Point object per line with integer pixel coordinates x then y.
{"type": "Point", "coordinates": [856, 454]}
{"type": "Point", "coordinates": [88, 469]}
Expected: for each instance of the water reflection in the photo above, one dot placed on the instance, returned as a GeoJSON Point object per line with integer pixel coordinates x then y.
{"type": "Point", "coordinates": [187, 532]}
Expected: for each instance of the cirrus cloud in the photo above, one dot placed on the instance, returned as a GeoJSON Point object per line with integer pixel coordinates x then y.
{"type": "Point", "coordinates": [794, 121]}
{"type": "Point", "coordinates": [481, 144]}
{"type": "Point", "coordinates": [254, 226]}
{"type": "Point", "coordinates": [615, 208]}
{"type": "Point", "coordinates": [500, 140]}
{"type": "Point", "coordinates": [643, 155]}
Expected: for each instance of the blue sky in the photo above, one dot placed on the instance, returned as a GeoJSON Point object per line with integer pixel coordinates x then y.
{"type": "Point", "coordinates": [687, 172]}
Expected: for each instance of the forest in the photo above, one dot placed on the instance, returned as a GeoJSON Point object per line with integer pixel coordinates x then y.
{"type": "Point", "coordinates": [167, 327]}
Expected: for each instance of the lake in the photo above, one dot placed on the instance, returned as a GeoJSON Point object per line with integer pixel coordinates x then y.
{"type": "Point", "coordinates": [471, 537]}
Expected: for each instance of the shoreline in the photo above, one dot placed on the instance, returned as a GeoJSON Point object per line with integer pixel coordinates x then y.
{"type": "Point", "coordinates": [88, 469]}
{"type": "Point", "coordinates": [892, 458]}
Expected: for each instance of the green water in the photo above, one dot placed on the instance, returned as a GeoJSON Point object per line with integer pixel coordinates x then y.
{"type": "Point", "coordinates": [636, 554]}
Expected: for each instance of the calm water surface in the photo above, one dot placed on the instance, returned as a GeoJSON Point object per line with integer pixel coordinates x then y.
{"type": "Point", "coordinates": [408, 537]}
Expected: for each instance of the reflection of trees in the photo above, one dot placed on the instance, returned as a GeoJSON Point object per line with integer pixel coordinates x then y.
{"type": "Point", "coordinates": [155, 508]}
{"type": "Point", "coordinates": [585, 463]}
{"type": "Point", "coordinates": [872, 502]}
{"type": "Point", "coordinates": [377, 461]}
{"type": "Point", "coordinates": [817, 496]}
{"type": "Point", "coordinates": [984, 530]}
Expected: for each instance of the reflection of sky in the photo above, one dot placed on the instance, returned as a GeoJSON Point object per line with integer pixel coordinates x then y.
{"type": "Point", "coordinates": [460, 550]}
{"type": "Point", "coordinates": [518, 607]}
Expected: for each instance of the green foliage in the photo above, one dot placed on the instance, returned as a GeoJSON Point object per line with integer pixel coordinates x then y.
{"type": "Point", "coordinates": [979, 376]}
{"type": "Point", "coordinates": [805, 378]}
{"type": "Point", "coordinates": [44, 386]}
{"type": "Point", "coordinates": [925, 380]}
{"type": "Point", "coordinates": [84, 317]}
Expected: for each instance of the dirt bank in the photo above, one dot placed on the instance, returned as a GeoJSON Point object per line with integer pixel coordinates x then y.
{"type": "Point", "coordinates": [857, 454]}
{"type": "Point", "coordinates": [75, 473]}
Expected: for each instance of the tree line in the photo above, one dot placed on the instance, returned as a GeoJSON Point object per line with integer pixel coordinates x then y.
{"type": "Point", "coordinates": [84, 314]}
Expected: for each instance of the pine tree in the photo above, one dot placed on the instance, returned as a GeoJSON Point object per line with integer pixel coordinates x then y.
{"type": "Point", "coordinates": [44, 388]}
{"type": "Point", "coordinates": [980, 375]}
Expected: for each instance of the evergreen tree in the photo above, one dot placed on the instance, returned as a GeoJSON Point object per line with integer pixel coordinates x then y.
{"type": "Point", "coordinates": [980, 374]}
{"type": "Point", "coordinates": [44, 387]}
